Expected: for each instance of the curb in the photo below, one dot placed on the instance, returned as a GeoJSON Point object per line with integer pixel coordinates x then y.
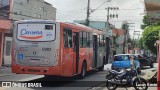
{"type": "Point", "coordinates": [3, 75]}
{"type": "Point", "coordinates": [5, 71]}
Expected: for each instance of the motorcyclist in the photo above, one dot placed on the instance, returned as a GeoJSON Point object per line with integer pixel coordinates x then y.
{"type": "Point", "coordinates": [135, 64]}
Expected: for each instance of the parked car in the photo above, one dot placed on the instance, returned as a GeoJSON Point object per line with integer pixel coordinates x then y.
{"type": "Point", "coordinates": [123, 61]}
{"type": "Point", "coordinates": [145, 60]}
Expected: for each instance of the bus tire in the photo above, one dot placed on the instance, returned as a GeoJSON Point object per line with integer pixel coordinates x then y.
{"type": "Point", "coordinates": [83, 70]}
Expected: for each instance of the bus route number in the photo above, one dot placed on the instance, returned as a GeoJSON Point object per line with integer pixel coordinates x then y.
{"type": "Point", "coordinates": [46, 49]}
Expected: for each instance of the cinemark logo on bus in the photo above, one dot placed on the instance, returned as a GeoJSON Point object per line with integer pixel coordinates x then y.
{"type": "Point", "coordinates": [28, 34]}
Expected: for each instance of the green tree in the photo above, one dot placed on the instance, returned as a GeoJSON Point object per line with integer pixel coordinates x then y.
{"type": "Point", "coordinates": [135, 43]}
{"type": "Point", "coordinates": [149, 38]}
{"type": "Point", "coordinates": [145, 22]}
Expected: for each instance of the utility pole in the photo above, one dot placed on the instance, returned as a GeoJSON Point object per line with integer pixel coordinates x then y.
{"type": "Point", "coordinates": [107, 26]}
{"type": "Point", "coordinates": [111, 15]}
{"type": "Point", "coordinates": [107, 37]}
{"type": "Point", "coordinates": [125, 28]}
{"type": "Point", "coordinates": [138, 34]}
{"type": "Point", "coordinates": [88, 13]}
{"type": "Point", "coordinates": [107, 22]}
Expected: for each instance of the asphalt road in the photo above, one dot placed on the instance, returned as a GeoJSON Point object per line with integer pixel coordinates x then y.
{"type": "Point", "coordinates": [94, 78]}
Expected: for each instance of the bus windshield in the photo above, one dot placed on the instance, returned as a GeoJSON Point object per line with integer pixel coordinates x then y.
{"type": "Point", "coordinates": [36, 32]}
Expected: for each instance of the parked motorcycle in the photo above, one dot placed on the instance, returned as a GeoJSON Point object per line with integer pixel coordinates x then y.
{"type": "Point", "coordinates": [124, 78]}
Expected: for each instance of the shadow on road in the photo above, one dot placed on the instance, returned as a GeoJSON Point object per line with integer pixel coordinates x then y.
{"type": "Point", "coordinates": [145, 67]}
{"type": "Point", "coordinates": [57, 81]}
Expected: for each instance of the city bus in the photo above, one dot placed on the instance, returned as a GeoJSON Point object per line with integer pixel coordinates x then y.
{"type": "Point", "coordinates": [46, 47]}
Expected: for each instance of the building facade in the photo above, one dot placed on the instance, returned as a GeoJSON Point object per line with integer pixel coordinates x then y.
{"type": "Point", "coordinates": [152, 8]}
{"type": "Point", "coordinates": [32, 9]}
{"type": "Point", "coordinates": [118, 40]}
{"type": "Point", "coordinates": [13, 10]}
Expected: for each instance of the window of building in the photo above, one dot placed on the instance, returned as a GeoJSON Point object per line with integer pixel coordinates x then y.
{"type": "Point", "coordinates": [27, 1]}
{"type": "Point", "coordinates": [67, 37]}
{"type": "Point", "coordinates": [8, 49]}
{"type": "Point", "coordinates": [4, 9]}
{"type": "Point", "coordinates": [41, 8]}
{"type": "Point", "coordinates": [21, 3]}
{"type": "Point", "coordinates": [34, 15]}
{"type": "Point", "coordinates": [20, 12]}
{"type": "Point", "coordinates": [39, 16]}
{"type": "Point", "coordinates": [35, 6]}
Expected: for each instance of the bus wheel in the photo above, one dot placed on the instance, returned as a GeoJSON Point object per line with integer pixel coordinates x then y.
{"type": "Point", "coordinates": [83, 70]}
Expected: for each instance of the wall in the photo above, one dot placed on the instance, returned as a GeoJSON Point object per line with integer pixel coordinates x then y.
{"type": "Point", "coordinates": [32, 9]}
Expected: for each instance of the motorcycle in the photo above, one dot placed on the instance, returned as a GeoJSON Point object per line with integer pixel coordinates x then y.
{"type": "Point", "coordinates": [124, 78]}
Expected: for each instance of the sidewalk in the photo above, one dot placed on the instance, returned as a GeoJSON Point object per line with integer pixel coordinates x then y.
{"type": "Point", "coordinates": [5, 71]}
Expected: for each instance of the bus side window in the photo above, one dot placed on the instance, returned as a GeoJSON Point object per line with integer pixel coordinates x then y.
{"type": "Point", "coordinates": [91, 41]}
{"type": "Point", "coordinates": [104, 40]}
{"type": "Point", "coordinates": [84, 39]}
{"type": "Point", "coordinates": [67, 37]}
{"type": "Point", "coordinates": [88, 39]}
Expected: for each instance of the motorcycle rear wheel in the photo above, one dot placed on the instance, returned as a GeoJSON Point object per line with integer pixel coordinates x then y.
{"type": "Point", "coordinates": [111, 86]}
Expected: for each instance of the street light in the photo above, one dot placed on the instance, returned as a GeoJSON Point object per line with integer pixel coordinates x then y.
{"type": "Point", "coordinates": [92, 10]}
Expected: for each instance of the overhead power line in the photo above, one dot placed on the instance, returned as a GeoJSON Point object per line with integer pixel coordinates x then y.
{"type": "Point", "coordinates": [124, 9]}
{"type": "Point", "coordinates": [99, 6]}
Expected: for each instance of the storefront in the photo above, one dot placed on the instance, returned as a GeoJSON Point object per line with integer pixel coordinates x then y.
{"type": "Point", "coordinates": [4, 27]}
{"type": "Point", "coordinates": [152, 8]}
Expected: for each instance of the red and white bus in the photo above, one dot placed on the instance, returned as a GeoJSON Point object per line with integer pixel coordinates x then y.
{"type": "Point", "coordinates": [45, 47]}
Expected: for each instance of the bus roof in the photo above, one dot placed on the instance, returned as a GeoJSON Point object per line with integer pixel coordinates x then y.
{"type": "Point", "coordinates": [53, 21]}
{"type": "Point", "coordinates": [34, 20]}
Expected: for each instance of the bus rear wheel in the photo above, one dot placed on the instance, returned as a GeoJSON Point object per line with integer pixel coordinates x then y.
{"type": "Point", "coordinates": [83, 71]}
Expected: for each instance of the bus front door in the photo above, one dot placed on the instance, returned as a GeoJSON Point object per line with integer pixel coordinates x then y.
{"type": "Point", "coordinates": [76, 51]}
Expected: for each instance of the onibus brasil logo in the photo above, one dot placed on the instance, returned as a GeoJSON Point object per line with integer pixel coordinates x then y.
{"type": "Point", "coordinates": [32, 35]}
{"type": "Point", "coordinates": [18, 84]}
